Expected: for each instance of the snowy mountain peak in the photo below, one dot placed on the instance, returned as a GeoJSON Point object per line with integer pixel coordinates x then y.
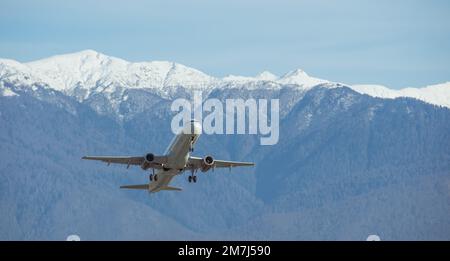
{"type": "Point", "coordinates": [82, 53]}
{"type": "Point", "coordinates": [180, 75]}
{"type": "Point", "coordinates": [299, 77]}
{"type": "Point", "coordinates": [295, 73]}
{"type": "Point", "coordinates": [88, 52]}
{"type": "Point", "coordinates": [266, 76]}
{"type": "Point", "coordinates": [82, 58]}
{"type": "Point", "coordinates": [85, 68]}
{"type": "Point", "coordinates": [94, 71]}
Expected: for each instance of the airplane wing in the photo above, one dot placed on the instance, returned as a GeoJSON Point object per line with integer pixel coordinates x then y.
{"type": "Point", "coordinates": [156, 163]}
{"type": "Point", "coordinates": [196, 162]}
{"type": "Point", "coordinates": [228, 164]}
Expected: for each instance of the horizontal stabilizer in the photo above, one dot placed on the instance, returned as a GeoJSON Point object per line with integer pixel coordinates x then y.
{"type": "Point", "coordinates": [170, 188]}
{"type": "Point", "coordinates": [142, 186]}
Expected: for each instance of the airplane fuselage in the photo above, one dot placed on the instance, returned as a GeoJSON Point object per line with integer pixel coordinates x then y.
{"type": "Point", "coordinates": [178, 153]}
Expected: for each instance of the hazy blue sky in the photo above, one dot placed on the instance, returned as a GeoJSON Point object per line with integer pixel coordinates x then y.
{"type": "Point", "coordinates": [395, 43]}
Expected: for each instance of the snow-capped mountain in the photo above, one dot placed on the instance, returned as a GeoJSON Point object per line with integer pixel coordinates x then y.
{"type": "Point", "coordinates": [86, 73]}
{"type": "Point", "coordinates": [299, 77]}
{"type": "Point", "coordinates": [438, 94]}
{"type": "Point", "coordinates": [94, 72]}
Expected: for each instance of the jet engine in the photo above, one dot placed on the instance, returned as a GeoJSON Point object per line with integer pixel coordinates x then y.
{"type": "Point", "coordinates": [148, 159]}
{"type": "Point", "coordinates": [207, 163]}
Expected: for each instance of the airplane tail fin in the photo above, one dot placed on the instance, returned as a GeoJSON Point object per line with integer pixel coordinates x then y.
{"type": "Point", "coordinates": [141, 186]}
{"type": "Point", "coordinates": [171, 188]}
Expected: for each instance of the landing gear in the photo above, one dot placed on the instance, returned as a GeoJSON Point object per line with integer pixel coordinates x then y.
{"type": "Point", "coordinates": [155, 177]}
{"type": "Point", "coordinates": [192, 177]}
{"type": "Point", "coordinates": [152, 176]}
{"type": "Point", "coordinates": [191, 144]}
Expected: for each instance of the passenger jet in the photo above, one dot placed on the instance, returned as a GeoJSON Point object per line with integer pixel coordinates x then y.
{"type": "Point", "coordinates": [175, 161]}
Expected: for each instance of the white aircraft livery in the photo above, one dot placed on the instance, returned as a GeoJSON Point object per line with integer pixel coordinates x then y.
{"type": "Point", "coordinates": [175, 161]}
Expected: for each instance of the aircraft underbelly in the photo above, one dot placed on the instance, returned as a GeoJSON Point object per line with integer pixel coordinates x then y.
{"type": "Point", "coordinates": [164, 178]}
{"type": "Point", "coordinates": [179, 151]}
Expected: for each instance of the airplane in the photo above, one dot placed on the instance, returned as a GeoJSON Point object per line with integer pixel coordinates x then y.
{"type": "Point", "coordinates": [175, 161]}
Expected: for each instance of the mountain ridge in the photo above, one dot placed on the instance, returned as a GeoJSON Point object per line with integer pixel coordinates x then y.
{"type": "Point", "coordinates": [90, 72]}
